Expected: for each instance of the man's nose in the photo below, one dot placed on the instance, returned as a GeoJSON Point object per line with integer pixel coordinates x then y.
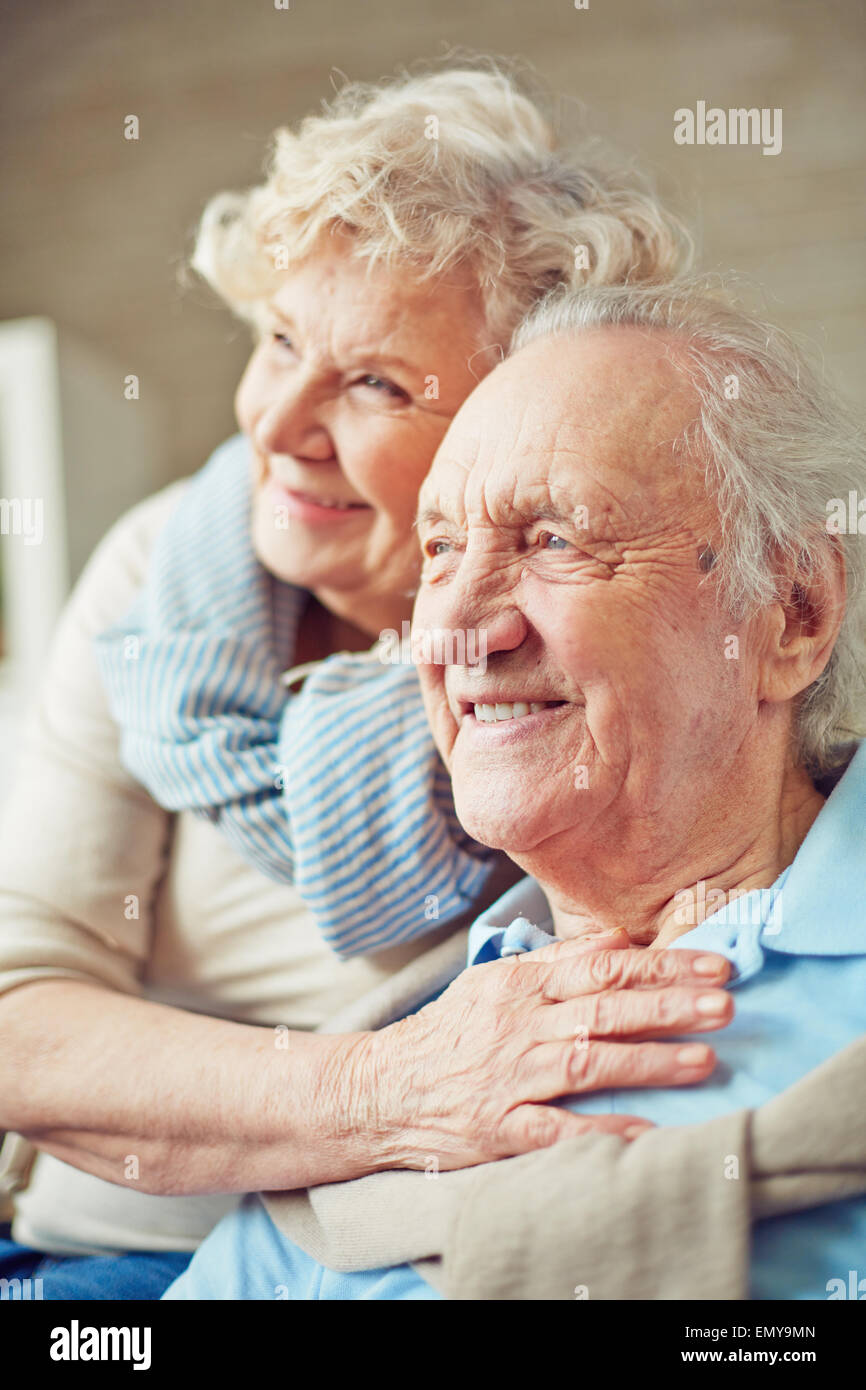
{"type": "Point", "coordinates": [292, 424]}
{"type": "Point", "coordinates": [480, 604]}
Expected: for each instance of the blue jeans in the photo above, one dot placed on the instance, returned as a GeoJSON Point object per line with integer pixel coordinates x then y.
{"type": "Point", "coordinates": [142, 1274]}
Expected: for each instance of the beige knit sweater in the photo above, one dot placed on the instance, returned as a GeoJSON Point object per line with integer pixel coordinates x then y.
{"type": "Point", "coordinates": [97, 883]}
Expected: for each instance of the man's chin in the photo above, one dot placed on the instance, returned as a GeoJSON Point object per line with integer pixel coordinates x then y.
{"type": "Point", "coordinates": [501, 830]}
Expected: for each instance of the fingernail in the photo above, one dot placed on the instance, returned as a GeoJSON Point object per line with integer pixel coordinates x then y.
{"type": "Point", "coordinates": [711, 1005]}
{"type": "Point", "coordinates": [708, 965]}
{"type": "Point", "coordinates": [693, 1055]}
{"type": "Point", "coordinates": [634, 1131]}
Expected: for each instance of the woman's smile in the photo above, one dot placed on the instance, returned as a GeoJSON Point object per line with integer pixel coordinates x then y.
{"type": "Point", "coordinates": [312, 507]}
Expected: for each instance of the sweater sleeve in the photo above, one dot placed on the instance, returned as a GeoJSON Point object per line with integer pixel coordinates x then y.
{"type": "Point", "coordinates": [82, 846]}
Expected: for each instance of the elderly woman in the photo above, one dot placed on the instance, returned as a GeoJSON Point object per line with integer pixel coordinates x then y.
{"type": "Point", "coordinates": [632, 510]}
{"type": "Point", "coordinates": [382, 263]}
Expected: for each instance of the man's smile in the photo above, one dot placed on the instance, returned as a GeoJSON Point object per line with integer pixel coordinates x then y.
{"type": "Point", "coordinates": [511, 722]}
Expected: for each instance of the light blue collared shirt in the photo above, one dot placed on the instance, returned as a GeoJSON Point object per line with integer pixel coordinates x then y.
{"type": "Point", "coordinates": [798, 952]}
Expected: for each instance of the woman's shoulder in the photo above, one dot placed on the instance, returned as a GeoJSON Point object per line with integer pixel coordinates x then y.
{"type": "Point", "coordinates": [128, 543]}
{"type": "Point", "coordinates": [117, 566]}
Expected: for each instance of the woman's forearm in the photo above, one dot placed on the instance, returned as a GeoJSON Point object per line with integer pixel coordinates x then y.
{"type": "Point", "coordinates": [166, 1101]}
{"type": "Point", "coordinates": [174, 1102]}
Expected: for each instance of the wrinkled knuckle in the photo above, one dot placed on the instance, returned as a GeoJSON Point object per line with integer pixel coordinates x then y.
{"type": "Point", "coordinates": [581, 1064]}
{"type": "Point", "coordinates": [484, 1136]}
{"type": "Point", "coordinates": [600, 969]}
{"type": "Point", "coordinates": [508, 982]}
{"type": "Point", "coordinates": [658, 969]}
{"type": "Point", "coordinates": [541, 1127]}
{"type": "Point", "coordinates": [644, 1060]}
{"type": "Point", "coordinates": [665, 1009]}
{"type": "Point", "coordinates": [596, 1010]}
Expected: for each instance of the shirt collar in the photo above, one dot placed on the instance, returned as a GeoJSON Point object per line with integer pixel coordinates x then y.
{"type": "Point", "coordinates": [816, 907]}
{"type": "Point", "coordinates": [522, 915]}
{"type": "Point", "coordinates": [824, 895]}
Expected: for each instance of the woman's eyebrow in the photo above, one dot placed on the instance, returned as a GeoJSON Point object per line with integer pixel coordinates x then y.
{"type": "Point", "coordinates": [374, 357]}
{"type": "Point", "coordinates": [358, 356]}
{"type": "Point", "coordinates": [278, 314]}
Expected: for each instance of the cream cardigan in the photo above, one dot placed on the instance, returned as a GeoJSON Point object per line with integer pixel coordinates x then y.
{"type": "Point", "coordinates": [98, 883]}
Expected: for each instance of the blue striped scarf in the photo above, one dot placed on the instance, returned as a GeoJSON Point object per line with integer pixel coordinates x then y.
{"type": "Point", "coordinates": [336, 788]}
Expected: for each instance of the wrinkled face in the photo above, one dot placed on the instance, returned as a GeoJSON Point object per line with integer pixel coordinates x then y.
{"type": "Point", "coordinates": [557, 529]}
{"type": "Point", "coordinates": [345, 400]}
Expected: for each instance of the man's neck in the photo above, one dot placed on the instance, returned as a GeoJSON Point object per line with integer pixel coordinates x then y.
{"type": "Point", "coordinates": [741, 844]}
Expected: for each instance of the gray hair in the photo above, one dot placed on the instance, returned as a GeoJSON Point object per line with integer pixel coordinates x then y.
{"type": "Point", "coordinates": [435, 172]}
{"type": "Point", "coordinates": [778, 448]}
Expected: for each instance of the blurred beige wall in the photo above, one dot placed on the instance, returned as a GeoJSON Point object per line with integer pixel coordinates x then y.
{"type": "Point", "coordinates": [94, 227]}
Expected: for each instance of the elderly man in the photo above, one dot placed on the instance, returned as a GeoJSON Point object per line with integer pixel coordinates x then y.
{"type": "Point", "coordinates": [663, 735]}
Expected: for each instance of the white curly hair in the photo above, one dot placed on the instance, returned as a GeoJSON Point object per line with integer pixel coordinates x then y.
{"type": "Point", "coordinates": [439, 171]}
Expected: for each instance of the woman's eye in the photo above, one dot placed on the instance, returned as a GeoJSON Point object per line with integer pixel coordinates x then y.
{"type": "Point", "coordinates": [282, 340]}
{"type": "Point", "coordinates": [382, 385]}
{"type": "Point", "coordinates": [434, 548]}
{"type": "Point", "coordinates": [549, 541]}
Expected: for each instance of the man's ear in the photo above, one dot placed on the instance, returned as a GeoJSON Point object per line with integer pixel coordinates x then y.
{"type": "Point", "coordinates": [810, 616]}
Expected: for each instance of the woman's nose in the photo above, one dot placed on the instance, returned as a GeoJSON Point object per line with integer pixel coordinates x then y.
{"type": "Point", "coordinates": [290, 424]}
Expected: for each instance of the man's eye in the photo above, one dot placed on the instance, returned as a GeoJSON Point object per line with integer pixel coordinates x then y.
{"type": "Point", "coordinates": [435, 547]}
{"type": "Point", "coordinates": [549, 541]}
{"type": "Point", "coordinates": [283, 340]}
{"type": "Point", "coordinates": [382, 385]}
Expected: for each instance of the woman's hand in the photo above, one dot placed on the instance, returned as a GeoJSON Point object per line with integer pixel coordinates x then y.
{"type": "Point", "coordinates": [207, 1105]}
{"type": "Point", "coordinates": [465, 1079]}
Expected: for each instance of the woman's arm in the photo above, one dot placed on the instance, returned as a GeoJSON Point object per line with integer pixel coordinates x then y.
{"type": "Point", "coordinates": [172, 1102]}
{"type": "Point", "coordinates": [166, 1101]}
{"type": "Point", "coordinates": [121, 1087]}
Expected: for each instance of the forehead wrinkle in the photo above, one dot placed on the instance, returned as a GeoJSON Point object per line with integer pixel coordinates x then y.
{"type": "Point", "coordinates": [641, 430]}
{"type": "Point", "coordinates": [442, 493]}
{"type": "Point", "coordinates": [365, 323]}
{"type": "Point", "coordinates": [522, 484]}
{"type": "Point", "coordinates": [553, 461]}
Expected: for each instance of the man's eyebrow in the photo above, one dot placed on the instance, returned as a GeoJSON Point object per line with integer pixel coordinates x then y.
{"type": "Point", "coordinates": [432, 515]}
{"type": "Point", "coordinates": [429, 516]}
{"type": "Point", "coordinates": [551, 512]}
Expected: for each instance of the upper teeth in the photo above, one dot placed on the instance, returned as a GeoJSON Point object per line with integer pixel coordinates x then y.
{"type": "Point", "coordinates": [333, 502]}
{"type": "Point", "coordinates": [489, 714]}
